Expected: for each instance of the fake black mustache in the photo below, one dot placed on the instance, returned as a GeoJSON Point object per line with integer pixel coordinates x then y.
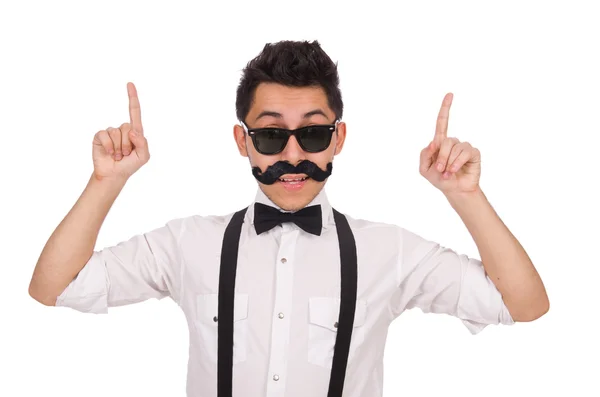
{"type": "Point", "coordinates": [275, 171]}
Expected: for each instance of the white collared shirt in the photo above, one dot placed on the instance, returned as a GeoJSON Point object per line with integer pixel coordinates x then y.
{"type": "Point", "coordinates": [287, 296]}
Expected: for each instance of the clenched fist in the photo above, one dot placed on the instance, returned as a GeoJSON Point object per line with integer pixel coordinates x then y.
{"type": "Point", "coordinates": [119, 152]}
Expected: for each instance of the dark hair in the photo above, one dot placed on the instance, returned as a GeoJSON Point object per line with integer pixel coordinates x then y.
{"type": "Point", "coordinates": [293, 64]}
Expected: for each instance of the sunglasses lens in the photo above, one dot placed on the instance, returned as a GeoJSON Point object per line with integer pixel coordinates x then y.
{"type": "Point", "coordinates": [269, 141]}
{"type": "Point", "coordinates": [312, 139]}
{"type": "Point", "coordinates": [315, 138]}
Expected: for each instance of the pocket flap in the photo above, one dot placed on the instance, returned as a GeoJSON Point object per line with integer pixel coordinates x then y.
{"type": "Point", "coordinates": [208, 307]}
{"type": "Point", "coordinates": [325, 311]}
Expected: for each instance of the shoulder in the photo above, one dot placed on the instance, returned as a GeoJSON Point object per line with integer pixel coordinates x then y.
{"type": "Point", "coordinates": [373, 231]}
{"type": "Point", "coordinates": [388, 233]}
{"type": "Point", "coordinates": [366, 225]}
{"type": "Point", "coordinates": [200, 222]}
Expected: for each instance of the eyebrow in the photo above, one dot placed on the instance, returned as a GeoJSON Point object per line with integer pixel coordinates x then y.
{"type": "Point", "coordinates": [277, 115]}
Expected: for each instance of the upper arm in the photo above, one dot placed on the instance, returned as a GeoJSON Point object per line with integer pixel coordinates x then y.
{"type": "Point", "coordinates": [143, 267]}
{"type": "Point", "coordinates": [437, 279]}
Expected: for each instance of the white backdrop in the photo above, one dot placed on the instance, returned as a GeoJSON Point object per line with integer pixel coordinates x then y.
{"type": "Point", "coordinates": [526, 93]}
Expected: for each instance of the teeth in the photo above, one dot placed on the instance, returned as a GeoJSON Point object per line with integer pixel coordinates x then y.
{"type": "Point", "coordinates": [292, 180]}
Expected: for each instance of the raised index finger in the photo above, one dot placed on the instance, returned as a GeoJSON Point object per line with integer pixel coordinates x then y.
{"type": "Point", "coordinates": [441, 127]}
{"type": "Point", "coordinates": [135, 113]}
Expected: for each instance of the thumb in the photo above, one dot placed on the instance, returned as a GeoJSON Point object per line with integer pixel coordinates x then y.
{"type": "Point", "coordinates": [140, 142]}
{"type": "Point", "coordinates": [427, 157]}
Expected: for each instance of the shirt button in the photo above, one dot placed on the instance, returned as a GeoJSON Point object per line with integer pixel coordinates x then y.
{"type": "Point", "coordinates": [335, 325]}
{"type": "Point", "coordinates": [283, 260]}
{"type": "Point", "coordinates": [280, 315]}
{"type": "Point", "coordinates": [275, 377]}
{"type": "Point", "coordinates": [215, 319]}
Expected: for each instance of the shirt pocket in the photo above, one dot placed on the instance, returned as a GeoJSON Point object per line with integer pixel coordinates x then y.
{"type": "Point", "coordinates": [206, 323]}
{"type": "Point", "coordinates": [323, 316]}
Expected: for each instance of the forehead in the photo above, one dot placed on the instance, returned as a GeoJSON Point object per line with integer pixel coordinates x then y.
{"type": "Point", "coordinates": [291, 102]}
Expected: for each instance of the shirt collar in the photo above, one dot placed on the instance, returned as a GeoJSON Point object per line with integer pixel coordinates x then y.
{"type": "Point", "coordinates": [321, 199]}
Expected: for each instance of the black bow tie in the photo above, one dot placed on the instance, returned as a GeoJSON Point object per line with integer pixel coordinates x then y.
{"type": "Point", "coordinates": [267, 217]}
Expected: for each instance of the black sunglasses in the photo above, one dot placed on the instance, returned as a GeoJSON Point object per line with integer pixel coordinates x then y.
{"type": "Point", "coordinates": [272, 140]}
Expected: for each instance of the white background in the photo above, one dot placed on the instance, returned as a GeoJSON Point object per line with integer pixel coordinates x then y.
{"type": "Point", "coordinates": [525, 78]}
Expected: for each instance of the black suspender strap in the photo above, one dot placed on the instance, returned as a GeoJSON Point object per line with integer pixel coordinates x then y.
{"type": "Point", "coordinates": [349, 283]}
{"type": "Point", "coordinates": [227, 274]}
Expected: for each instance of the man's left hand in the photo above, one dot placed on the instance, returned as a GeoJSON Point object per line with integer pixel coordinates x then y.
{"type": "Point", "coordinates": [450, 165]}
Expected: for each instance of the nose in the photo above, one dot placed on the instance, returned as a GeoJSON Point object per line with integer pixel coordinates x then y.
{"type": "Point", "coordinates": [292, 152]}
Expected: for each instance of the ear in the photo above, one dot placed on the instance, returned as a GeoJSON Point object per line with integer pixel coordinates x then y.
{"type": "Point", "coordinates": [340, 138]}
{"type": "Point", "coordinates": [240, 139]}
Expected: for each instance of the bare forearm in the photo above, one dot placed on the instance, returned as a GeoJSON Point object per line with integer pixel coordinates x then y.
{"type": "Point", "coordinates": [503, 257]}
{"type": "Point", "coordinates": [72, 243]}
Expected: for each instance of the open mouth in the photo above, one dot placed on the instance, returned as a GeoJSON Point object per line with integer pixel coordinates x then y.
{"type": "Point", "coordinates": [292, 180]}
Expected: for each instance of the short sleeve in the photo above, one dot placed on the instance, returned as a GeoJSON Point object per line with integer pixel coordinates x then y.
{"type": "Point", "coordinates": [437, 279]}
{"type": "Point", "coordinates": [145, 266]}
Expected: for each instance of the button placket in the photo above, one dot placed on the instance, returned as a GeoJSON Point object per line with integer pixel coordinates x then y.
{"type": "Point", "coordinates": [282, 308]}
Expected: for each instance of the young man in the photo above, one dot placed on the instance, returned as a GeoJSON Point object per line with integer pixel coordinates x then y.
{"type": "Point", "coordinates": [289, 297]}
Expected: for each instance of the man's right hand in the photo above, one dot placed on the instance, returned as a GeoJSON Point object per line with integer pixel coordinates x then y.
{"type": "Point", "coordinates": [119, 152]}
